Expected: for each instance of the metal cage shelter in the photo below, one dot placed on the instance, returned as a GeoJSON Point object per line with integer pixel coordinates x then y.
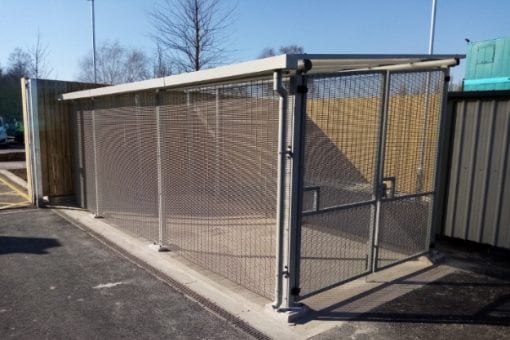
{"type": "Point", "coordinates": [287, 175]}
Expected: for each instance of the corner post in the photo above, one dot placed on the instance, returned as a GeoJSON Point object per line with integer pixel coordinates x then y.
{"type": "Point", "coordinates": [97, 213]}
{"type": "Point", "coordinates": [161, 200]}
{"type": "Point", "coordinates": [441, 164]}
{"type": "Point", "coordinates": [379, 173]}
{"type": "Point", "coordinates": [294, 169]}
{"type": "Point", "coordinates": [281, 184]}
{"type": "Point", "coordinates": [35, 145]}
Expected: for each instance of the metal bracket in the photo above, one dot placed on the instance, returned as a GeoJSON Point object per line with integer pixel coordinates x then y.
{"type": "Point", "coordinates": [302, 89]}
{"type": "Point", "coordinates": [295, 291]}
{"type": "Point", "coordinates": [289, 152]}
{"type": "Point", "coordinates": [383, 187]}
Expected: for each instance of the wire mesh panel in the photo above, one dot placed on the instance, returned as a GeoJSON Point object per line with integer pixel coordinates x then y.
{"type": "Point", "coordinates": [340, 154]}
{"type": "Point", "coordinates": [405, 224]}
{"type": "Point", "coordinates": [126, 162]}
{"type": "Point", "coordinates": [219, 154]}
{"type": "Point", "coordinates": [335, 247]}
{"type": "Point", "coordinates": [409, 164]}
{"type": "Point", "coordinates": [341, 137]}
{"type": "Point", "coordinates": [85, 128]}
{"type": "Point", "coordinates": [412, 131]}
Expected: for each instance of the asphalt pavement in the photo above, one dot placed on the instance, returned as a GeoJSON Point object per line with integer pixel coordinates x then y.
{"type": "Point", "coordinates": [471, 302]}
{"type": "Point", "coordinates": [57, 282]}
{"type": "Point", "coordinates": [11, 195]}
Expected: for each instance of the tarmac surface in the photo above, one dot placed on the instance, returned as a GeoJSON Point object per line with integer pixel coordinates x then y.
{"type": "Point", "coordinates": [12, 196]}
{"type": "Point", "coordinates": [56, 282]}
{"type": "Point", "coordinates": [471, 302]}
{"type": "Point", "coordinates": [12, 165]}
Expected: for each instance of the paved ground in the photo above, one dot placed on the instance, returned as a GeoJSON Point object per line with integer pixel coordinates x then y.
{"type": "Point", "coordinates": [12, 148]}
{"type": "Point", "coordinates": [56, 282]}
{"type": "Point", "coordinates": [12, 157]}
{"type": "Point", "coordinates": [12, 196]}
{"type": "Point", "coordinates": [471, 302]}
{"type": "Point", "coordinates": [13, 165]}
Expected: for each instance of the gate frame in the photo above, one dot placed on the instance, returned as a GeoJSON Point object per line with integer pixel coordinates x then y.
{"type": "Point", "coordinates": [377, 194]}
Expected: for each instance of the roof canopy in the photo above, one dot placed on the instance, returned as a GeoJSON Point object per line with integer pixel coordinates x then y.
{"type": "Point", "coordinates": [290, 63]}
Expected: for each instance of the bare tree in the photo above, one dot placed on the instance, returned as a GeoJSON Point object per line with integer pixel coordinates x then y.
{"type": "Point", "coordinates": [289, 49]}
{"type": "Point", "coordinates": [194, 32]}
{"type": "Point", "coordinates": [115, 64]}
{"type": "Point", "coordinates": [292, 49]}
{"type": "Point", "coordinates": [267, 52]}
{"type": "Point", "coordinates": [19, 62]}
{"type": "Point", "coordinates": [39, 67]}
{"type": "Point", "coordinates": [161, 66]}
{"type": "Point", "coordinates": [135, 65]}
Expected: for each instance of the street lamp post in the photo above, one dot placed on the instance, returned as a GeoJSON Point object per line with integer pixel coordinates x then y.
{"type": "Point", "coordinates": [421, 170]}
{"type": "Point", "coordinates": [93, 18]}
{"type": "Point", "coordinates": [432, 27]}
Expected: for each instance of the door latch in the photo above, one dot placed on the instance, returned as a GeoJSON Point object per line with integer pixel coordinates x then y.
{"type": "Point", "coordinates": [385, 190]}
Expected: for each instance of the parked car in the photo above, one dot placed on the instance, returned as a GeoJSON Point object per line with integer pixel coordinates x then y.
{"type": "Point", "coordinates": [3, 132]}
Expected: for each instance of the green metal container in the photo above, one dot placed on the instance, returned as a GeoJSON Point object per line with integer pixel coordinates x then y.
{"type": "Point", "coordinates": [488, 65]}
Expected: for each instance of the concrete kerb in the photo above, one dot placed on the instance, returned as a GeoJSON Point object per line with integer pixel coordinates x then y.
{"type": "Point", "coordinates": [247, 306]}
{"type": "Point", "coordinates": [240, 304]}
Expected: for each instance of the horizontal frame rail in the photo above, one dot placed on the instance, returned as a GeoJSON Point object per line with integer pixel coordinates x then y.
{"type": "Point", "coordinates": [338, 207]}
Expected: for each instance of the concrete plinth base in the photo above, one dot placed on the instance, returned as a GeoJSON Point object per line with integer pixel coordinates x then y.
{"type": "Point", "coordinates": [289, 315]}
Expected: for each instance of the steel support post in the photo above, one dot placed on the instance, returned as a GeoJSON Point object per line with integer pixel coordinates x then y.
{"type": "Point", "coordinates": [217, 142]}
{"type": "Point", "coordinates": [97, 213]}
{"type": "Point", "coordinates": [379, 173]}
{"type": "Point", "coordinates": [441, 163]}
{"type": "Point", "coordinates": [291, 235]}
{"type": "Point", "coordinates": [161, 198]}
{"type": "Point", "coordinates": [35, 143]}
{"type": "Point", "coordinates": [426, 116]}
{"type": "Point", "coordinates": [281, 184]}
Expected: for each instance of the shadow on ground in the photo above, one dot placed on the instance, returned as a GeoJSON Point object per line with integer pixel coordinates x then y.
{"type": "Point", "coordinates": [456, 298]}
{"type": "Point", "coordinates": [470, 301]}
{"type": "Point", "coordinates": [27, 245]}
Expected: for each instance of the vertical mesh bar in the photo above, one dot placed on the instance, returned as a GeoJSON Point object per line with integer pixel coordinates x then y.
{"type": "Point", "coordinates": [219, 159]}
{"type": "Point", "coordinates": [341, 133]}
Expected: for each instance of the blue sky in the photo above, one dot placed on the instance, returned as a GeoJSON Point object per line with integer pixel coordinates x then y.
{"type": "Point", "coordinates": [321, 26]}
